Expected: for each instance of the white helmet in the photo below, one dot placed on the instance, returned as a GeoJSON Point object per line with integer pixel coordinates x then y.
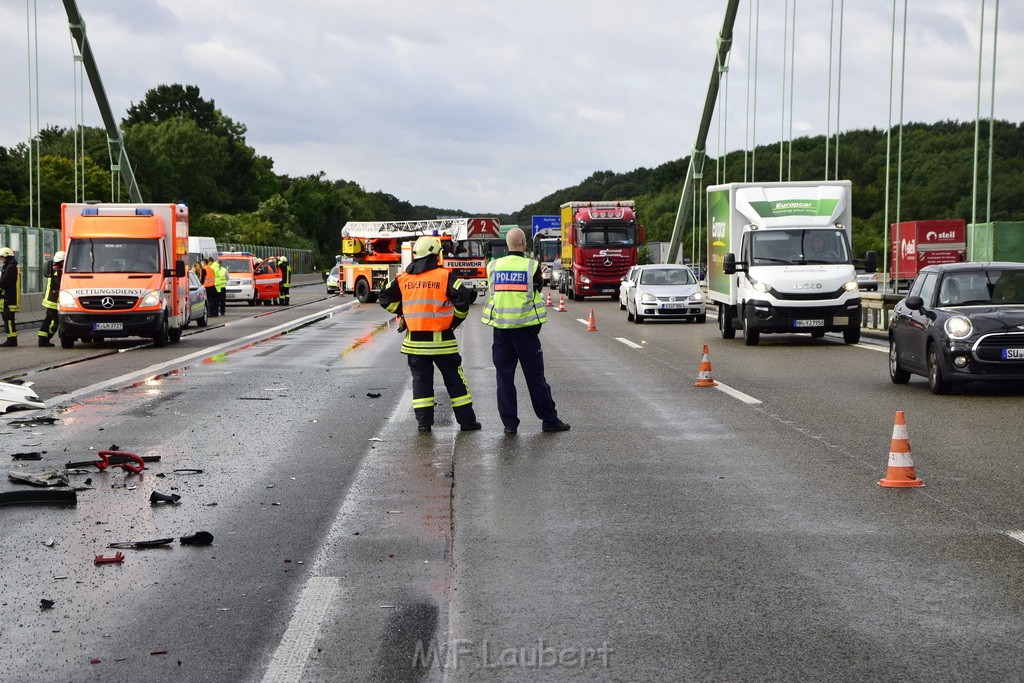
{"type": "Point", "coordinates": [59, 257]}
{"type": "Point", "coordinates": [283, 259]}
{"type": "Point", "coordinates": [426, 245]}
{"type": "Point", "coordinates": [6, 251]}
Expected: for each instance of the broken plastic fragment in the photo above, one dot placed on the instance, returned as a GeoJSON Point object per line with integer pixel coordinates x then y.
{"type": "Point", "coordinates": [116, 557]}
{"type": "Point", "coordinates": [44, 478]}
{"type": "Point", "coordinates": [142, 545]}
{"type": "Point", "coordinates": [198, 538]}
{"type": "Point", "coordinates": [372, 395]}
{"type": "Point", "coordinates": [156, 498]}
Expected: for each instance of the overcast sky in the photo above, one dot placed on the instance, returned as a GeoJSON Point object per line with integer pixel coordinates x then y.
{"type": "Point", "coordinates": [487, 105]}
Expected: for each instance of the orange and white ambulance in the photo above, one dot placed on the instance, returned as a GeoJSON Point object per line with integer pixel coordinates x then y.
{"type": "Point", "coordinates": [124, 274]}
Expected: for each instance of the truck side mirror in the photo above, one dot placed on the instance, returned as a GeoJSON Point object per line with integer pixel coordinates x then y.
{"type": "Point", "coordinates": [179, 269]}
{"type": "Point", "coordinates": [871, 262]}
{"type": "Point", "coordinates": [729, 264]}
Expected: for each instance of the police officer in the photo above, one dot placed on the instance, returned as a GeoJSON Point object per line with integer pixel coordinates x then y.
{"type": "Point", "coordinates": [10, 294]}
{"type": "Point", "coordinates": [515, 310]}
{"type": "Point", "coordinates": [49, 327]}
{"type": "Point", "coordinates": [286, 279]}
{"type": "Point", "coordinates": [432, 302]}
{"type": "Point", "coordinates": [220, 283]}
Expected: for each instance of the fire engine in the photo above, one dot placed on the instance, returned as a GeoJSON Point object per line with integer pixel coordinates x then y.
{"type": "Point", "coordinates": [374, 252]}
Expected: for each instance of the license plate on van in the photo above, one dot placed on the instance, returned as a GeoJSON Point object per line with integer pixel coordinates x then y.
{"type": "Point", "coordinates": [110, 327]}
{"type": "Point", "coordinates": [809, 323]}
{"type": "Point", "coordinates": [1013, 354]}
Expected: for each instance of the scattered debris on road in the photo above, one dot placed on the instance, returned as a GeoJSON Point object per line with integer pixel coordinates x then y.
{"type": "Point", "coordinates": [44, 478]}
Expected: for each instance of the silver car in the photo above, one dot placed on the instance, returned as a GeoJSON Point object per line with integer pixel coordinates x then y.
{"type": "Point", "coordinates": [662, 292]}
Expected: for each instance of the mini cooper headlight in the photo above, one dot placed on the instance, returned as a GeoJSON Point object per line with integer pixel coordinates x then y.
{"type": "Point", "coordinates": [958, 327]}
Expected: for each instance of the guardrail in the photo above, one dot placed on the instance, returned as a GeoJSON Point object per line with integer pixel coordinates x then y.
{"type": "Point", "coordinates": [876, 309]}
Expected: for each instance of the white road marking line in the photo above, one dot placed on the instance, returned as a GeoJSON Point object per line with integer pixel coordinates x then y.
{"type": "Point", "coordinates": [1016, 535]}
{"type": "Point", "coordinates": [581, 320]}
{"type": "Point", "coordinates": [873, 347]}
{"type": "Point", "coordinates": [293, 651]}
{"type": "Point", "coordinates": [628, 343]}
{"type": "Point", "coordinates": [737, 394]}
{"type": "Point", "coordinates": [153, 370]}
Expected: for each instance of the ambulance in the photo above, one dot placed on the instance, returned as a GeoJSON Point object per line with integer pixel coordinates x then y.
{"type": "Point", "coordinates": [124, 274]}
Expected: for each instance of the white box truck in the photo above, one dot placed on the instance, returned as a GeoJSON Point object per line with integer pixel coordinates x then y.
{"type": "Point", "coordinates": [780, 260]}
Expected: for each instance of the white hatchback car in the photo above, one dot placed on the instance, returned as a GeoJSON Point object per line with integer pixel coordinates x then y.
{"type": "Point", "coordinates": [663, 291]}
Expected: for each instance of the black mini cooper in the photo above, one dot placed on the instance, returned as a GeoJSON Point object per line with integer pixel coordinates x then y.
{"type": "Point", "coordinates": [960, 322]}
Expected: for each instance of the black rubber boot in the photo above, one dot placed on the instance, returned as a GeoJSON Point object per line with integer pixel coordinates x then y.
{"type": "Point", "coordinates": [424, 418]}
{"type": "Point", "coordinates": [11, 341]}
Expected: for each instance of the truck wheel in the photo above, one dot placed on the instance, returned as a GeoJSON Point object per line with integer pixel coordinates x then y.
{"type": "Point", "coordinates": [725, 322]}
{"type": "Point", "coordinates": [750, 335]}
{"type": "Point", "coordinates": [174, 334]}
{"type": "Point", "coordinates": [851, 335]}
{"type": "Point", "coordinates": [67, 342]}
{"type": "Point", "coordinates": [162, 335]}
{"type": "Point", "coordinates": [362, 291]}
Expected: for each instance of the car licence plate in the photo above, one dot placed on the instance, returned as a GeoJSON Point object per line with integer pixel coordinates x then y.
{"type": "Point", "coordinates": [809, 323]}
{"type": "Point", "coordinates": [1013, 354]}
{"type": "Point", "coordinates": [107, 326]}
{"type": "Point", "coordinates": [673, 305]}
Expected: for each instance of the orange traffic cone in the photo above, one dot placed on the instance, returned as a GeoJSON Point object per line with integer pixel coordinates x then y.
{"type": "Point", "coordinates": [704, 374]}
{"type": "Point", "coordinates": [561, 303]}
{"type": "Point", "coordinates": [548, 303]}
{"type": "Point", "coordinates": [591, 323]}
{"type": "Point", "coordinates": [901, 468]}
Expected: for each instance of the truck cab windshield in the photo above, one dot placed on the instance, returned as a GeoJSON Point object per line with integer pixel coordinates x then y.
{"type": "Point", "coordinates": [597, 235]}
{"type": "Point", "coordinates": [113, 255]}
{"type": "Point", "coordinates": [797, 247]}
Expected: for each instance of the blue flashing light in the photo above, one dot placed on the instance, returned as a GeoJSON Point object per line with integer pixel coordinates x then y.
{"type": "Point", "coordinates": [143, 212]}
{"type": "Point", "coordinates": [91, 211]}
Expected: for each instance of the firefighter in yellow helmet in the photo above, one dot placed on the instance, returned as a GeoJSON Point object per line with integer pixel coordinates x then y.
{"type": "Point", "coordinates": [433, 302]}
{"type": "Point", "coordinates": [286, 280]}
{"type": "Point", "coordinates": [10, 294]}
{"type": "Point", "coordinates": [54, 270]}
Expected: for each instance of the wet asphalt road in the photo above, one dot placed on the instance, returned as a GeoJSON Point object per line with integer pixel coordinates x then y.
{"type": "Point", "coordinates": [674, 533]}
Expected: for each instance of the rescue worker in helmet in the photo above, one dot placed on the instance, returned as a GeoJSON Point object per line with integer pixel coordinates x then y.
{"type": "Point", "coordinates": [432, 302]}
{"type": "Point", "coordinates": [286, 279]}
{"type": "Point", "coordinates": [10, 294]}
{"type": "Point", "coordinates": [55, 268]}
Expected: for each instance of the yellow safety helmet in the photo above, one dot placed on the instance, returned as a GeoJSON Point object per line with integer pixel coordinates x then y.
{"type": "Point", "coordinates": [425, 246]}
{"type": "Point", "coordinates": [59, 257]}
{"type": "Point", "coordinates": [6, 251]}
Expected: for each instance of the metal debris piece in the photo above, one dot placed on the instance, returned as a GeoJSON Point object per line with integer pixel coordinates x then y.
{"type": "Point", "coordinates": [44, 478]}
{"type": "Point", "coordinates": [142, 545]}
{"type": "Point", "coordinates": [374, 438]}
{"type": "Point", "coordinates": [46, 603]}
{"type": "Point", "coordinates": [370, 394]}
{"type": "Point", "coordinates": [31, 455]}
{"type": "Point", "coordinates": [49, 543]}
{"type": "Point", "coordinates": [39, 497]}
{"type": "Point", "coordinates": [33, 422]}
{"type": "Point", "coordinates": [187, 470]}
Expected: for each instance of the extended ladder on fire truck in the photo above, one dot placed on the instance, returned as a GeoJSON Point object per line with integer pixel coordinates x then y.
{"type": "Point", "coordinates": [372, 251]}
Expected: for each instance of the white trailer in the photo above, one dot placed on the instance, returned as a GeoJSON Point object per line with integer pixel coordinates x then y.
{"type": "Point", "coordinates": [779, 259]}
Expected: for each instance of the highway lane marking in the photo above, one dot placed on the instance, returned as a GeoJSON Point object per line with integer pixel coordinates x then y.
{"type": "Point", "coordinates": [873, 347]}
{"type": "Point", "coordinates": [159, 368]}
{"type": "Point", "coordinates": [1016, 535]}
{"type": "Point", "coordinates": [292, 653]}
{"type": "Point", "coordinates": [735, 393]}
{"type": "Point", "coordinates": [628, 343]}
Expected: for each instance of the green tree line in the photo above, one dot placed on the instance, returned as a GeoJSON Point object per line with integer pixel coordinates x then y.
{"type": "Point", "coordinates": [183, 148]}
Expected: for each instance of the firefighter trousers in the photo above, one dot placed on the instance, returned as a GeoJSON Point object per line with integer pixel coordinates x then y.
{"type": "Point", "coordinates": [50, 324]}
{"type": "Point", "coordinates": [450, 365]}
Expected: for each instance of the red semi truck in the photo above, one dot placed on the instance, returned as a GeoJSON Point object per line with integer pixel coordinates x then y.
{"type": "Point", "coordinates": [916, 244]}
{"type": "Point", "coordinates": [600, 242]}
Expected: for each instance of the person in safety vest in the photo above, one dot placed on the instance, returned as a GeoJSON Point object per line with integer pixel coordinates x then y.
{"type": "Point", "coordinates": [209, 280]}
{"type": "Point", "coordinates": [286, 279]}
{"type": "Point", "coordinates": [515, 310]}
{"type": "Point", "coordinates": [220, 284]}
{"type": "Point", "coordinates": [432, 302]}
{"type": "Point", "coordinates": [55, 268]}
{"type": "Point", "coordinates": [10, 294]}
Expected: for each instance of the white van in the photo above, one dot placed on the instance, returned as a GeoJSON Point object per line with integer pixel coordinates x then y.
{"type": "Point", "coordinates": [200, 248]}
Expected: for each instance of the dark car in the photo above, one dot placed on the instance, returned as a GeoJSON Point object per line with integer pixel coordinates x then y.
{"type": "Point", "coordinates": [960, 322]}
